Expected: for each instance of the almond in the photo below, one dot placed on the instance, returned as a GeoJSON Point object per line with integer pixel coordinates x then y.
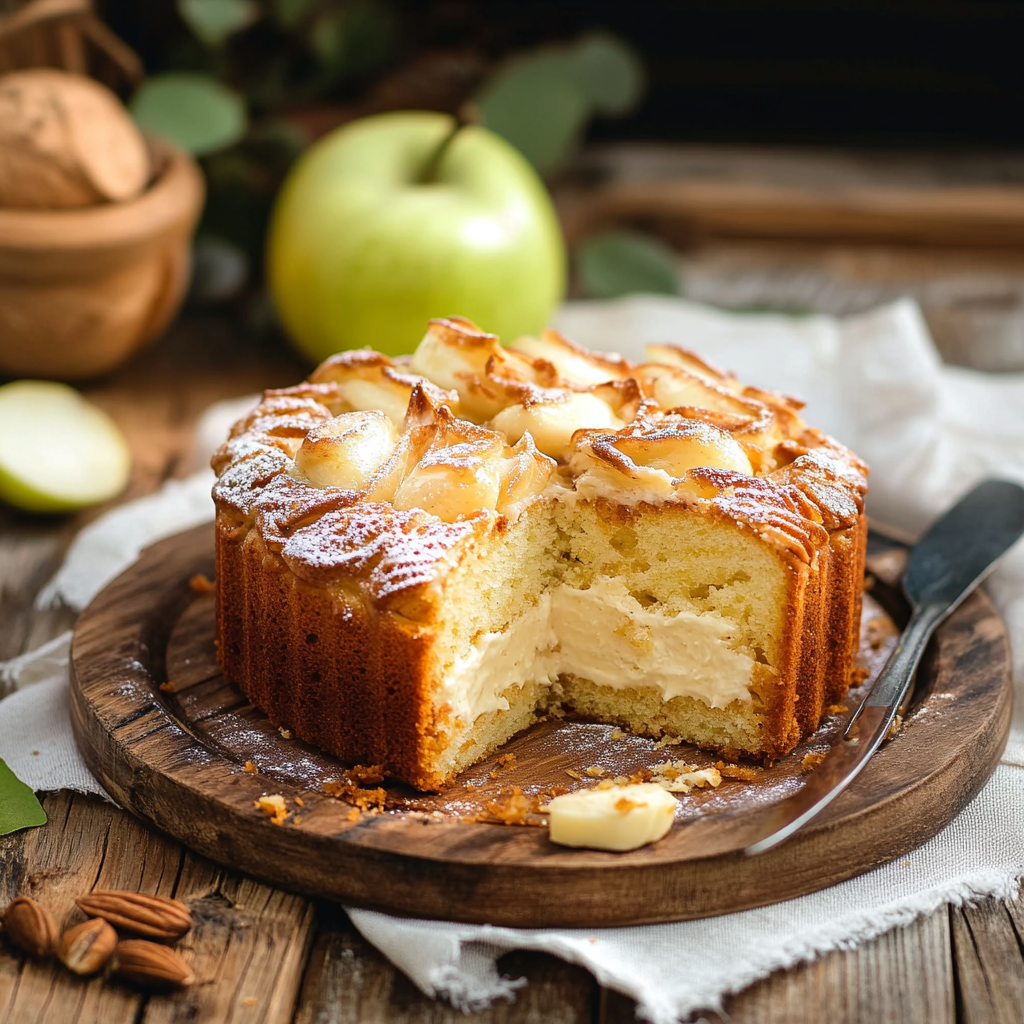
{"type": "Point", "coordinates": [30, 927]}
{"type": "Point", "coordinates": [155, 917]}
{"type": "Point", "coordinates": [151, 966]}
{"type": "Point", "coordinates": [85, 948]}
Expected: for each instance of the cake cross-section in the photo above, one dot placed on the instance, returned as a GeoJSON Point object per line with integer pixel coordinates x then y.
{"type": "Point", "coordinates": [418, 559]}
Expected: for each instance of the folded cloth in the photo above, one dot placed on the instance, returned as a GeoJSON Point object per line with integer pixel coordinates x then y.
{"type": "Point", "coordinates": [929, 432]}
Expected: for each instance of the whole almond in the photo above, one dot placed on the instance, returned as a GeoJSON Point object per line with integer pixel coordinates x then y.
{"type": "Point", "coordinates": [155, 917]}
{"type": "Point", "coordinates": [151, 966]}
{"type": "Point", "coordinates": [85, 948]}
{"type": "Point", "coordinates": [30, 927]}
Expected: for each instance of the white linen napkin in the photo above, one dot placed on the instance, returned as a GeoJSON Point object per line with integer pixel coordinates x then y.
{"type": "Point", "coordinates": [929, 432]}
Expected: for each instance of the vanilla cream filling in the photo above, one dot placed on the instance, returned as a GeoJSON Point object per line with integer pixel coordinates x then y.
{"type": "Point", "coordinates": [603, 634]}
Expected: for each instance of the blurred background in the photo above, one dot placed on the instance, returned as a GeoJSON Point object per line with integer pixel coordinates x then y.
{"type": "Point", "coordinates": [784, 156]}
{"type": "Point", "coordinates": [841, 103]}
{"type": "Point", "coordinates": [877, 123]}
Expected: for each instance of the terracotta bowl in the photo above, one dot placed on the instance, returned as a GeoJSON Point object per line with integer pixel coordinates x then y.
{"type": "Point", "coordinates": [81, 290]}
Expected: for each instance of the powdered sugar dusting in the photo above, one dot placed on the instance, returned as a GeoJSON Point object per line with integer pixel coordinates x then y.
{"type": "Point", "coordinates": [391, 551]}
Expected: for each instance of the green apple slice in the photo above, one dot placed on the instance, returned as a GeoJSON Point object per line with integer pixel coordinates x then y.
{"type": "Point", "coordinates": [58, 452]}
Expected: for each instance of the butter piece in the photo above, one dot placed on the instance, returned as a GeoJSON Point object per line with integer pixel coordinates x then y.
{"type": "Point", "coordinates": [617, 818]}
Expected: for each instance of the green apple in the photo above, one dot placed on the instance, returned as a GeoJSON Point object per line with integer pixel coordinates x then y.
{"type": "Point", "coordinates": [372, 236]}
{"type": "Point", "coordinates": [58, 452]}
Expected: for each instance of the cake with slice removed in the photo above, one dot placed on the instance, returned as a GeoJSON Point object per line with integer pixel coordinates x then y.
{"type": "Point", "coordinates": [417, 559]}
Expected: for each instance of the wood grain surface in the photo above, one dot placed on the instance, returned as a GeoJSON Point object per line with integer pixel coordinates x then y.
{"type": "Point", "coordinates": [172, 741]}
{"type": "Point", "coordinates": [265, 957]}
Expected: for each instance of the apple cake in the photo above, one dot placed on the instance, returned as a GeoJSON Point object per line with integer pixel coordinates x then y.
{"type": "Point", "coordinates": [417, 558]}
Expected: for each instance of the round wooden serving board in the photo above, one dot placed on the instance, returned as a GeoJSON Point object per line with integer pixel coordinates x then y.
{"type": "Point", "coordinates": [171, 740]}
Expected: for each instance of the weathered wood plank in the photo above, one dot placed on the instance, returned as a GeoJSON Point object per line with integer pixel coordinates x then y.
{"type": "Point", "coordinates": [348, 981]}
{"type": "Point", "coordinates": [902, 977]}
{"type": "Point", "coordinates": [53, 865]}
{"type": "Point", "coordinates": [248, 948]}
{"type": "Point", "coordinates": [1015, 908]}
{"type": "Point", "coordinates": [989, 965]}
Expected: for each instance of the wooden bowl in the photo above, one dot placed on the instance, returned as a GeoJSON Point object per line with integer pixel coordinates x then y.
{"type": "Point", "coordinates": [82, 289]}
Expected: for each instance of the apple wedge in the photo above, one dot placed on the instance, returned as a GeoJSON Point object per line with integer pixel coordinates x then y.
{"type": "Point", "coordinates": [58, 452]}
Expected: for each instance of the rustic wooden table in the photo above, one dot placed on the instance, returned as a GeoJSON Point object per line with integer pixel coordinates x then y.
{"type": "Point", "coordinates": [262, 955]}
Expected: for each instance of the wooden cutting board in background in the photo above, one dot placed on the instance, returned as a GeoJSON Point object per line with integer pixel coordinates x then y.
{"type": "Point", "coordinates": [697, 192]}
{"type": "Point", "coordinates": [826, 231]}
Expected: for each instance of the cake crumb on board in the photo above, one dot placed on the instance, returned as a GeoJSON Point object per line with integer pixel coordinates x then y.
{"type": "Point", "coordinates": [680, 777]}
{"type": "Point", "coordinates": [273, 807]}
{"type": "Point", "coordinates": [737, 772]}
{"type": "Point", "coordinates": [201, 584]}
{"type": "Point", "coordinates": [511, 808]}
{"type": "Point", "coordinates": [367, 774]}
{"type": "Point", "coordinates": [350, 793]}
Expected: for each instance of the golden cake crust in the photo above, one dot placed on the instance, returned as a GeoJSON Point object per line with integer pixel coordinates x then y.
{"type": "Point", "coordinates": [329, 596]}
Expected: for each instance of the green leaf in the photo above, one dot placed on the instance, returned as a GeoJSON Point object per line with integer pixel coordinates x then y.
{"type": "Point", "coordinates": [19, 807]}
{"type": "Point", "coordinates": [620, 263]}
{"type": "Point", "coordinates": [194, 111]}
{"type": "Point", "coordinates": [539, 110]}
{"type": "Point", "coordinates": [541, 101]}
{"type": "Point", "coordinates": [214, 21]}
{"type": "Point", "coordinates": [608, 71]}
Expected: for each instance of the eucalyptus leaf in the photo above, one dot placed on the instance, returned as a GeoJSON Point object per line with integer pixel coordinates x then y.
{"type": "Point", "coordinates": [193, 111]}
{"type": "Point", "coordinates": [541, 101]}
{"type": "Point", "coordinates": [608, 71]}
{"type": "Point", "coordinates": [215, 21]}
{"type": "Point", "coordinates": [19, 807]}
{"type": "Point", "coordinates": [539, 110]}
{"type": "Point", "coordinates": [617, 263]}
